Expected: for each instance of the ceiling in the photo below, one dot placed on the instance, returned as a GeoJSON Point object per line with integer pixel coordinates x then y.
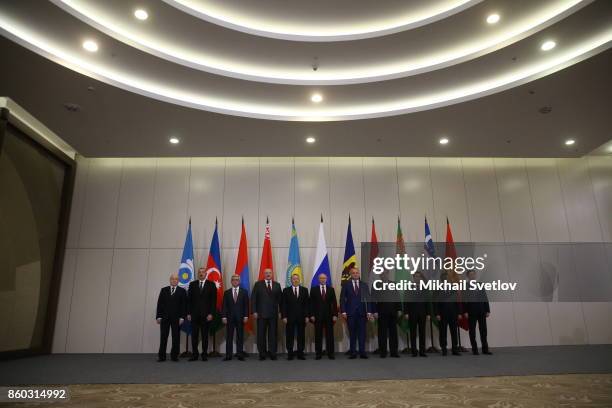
{"type": "Point", "coordinates": [237, 77]}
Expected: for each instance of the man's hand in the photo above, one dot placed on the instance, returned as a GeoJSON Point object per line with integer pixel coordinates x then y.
{"type": "Point", "coordinates": [334, 318]}
{"type": "Point", "coordinates": [406, 316]}
{"type": "Point", "coordinates": [224, 320]}
{"type": "Point", "coordinates": [428, 317]}
{"type": "Point", "coordinates": [369, 316]}
{"type": "Point", "coordinates": [459, 317]}
{"type": "Point", "coordinates": [189, 317]}
{"type": "Point", "coordinates": [209, 317]}
{"type": "Point", "coordinates": [465, 315]}
{"type": "Point", "coordinates": [312, 319]}
{"type": "Point", "coordinates": [305, 320]}
{"type": "Point", "coordinates": [158, 320]}
{"type": "Point", "coordinates": [255, 315]}
{"type": "Point", "coordinates": [487, 315]}
{"type": "Point", "coordinates": [344, 316]}
{"type": "Point", "coordinates": [245, 319]}
{"type": "Point", "coordinates": [181, 321]}
{"type": "Point", "coordinates": [285, 320]}
{"type": "Point", "coordinates": [376, 315]}
{"type": "Point", "coordinates": [438, 317]}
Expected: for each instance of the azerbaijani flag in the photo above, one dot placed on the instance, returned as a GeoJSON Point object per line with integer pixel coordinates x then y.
{"type": "Point", "coordinates": [321, 264]}
{"type": "Point", "coordinates": [214, 274]}
{"type": "Point", "coordinates": [266, 254]}
{"type": "Point", "coordinates": [350, 259]}
{"type": "Point", "coordinates": [242, 268]}
{"type": "Point", "coordinates": [185, 270]}
{"type": "Point", "coordinates": [293, 262]}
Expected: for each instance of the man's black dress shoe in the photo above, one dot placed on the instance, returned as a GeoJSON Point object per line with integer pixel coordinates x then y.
{"type": "Point", "coordinates": [240, 358]}
{"type": "Point", "coordinates": [161, 360]}
{"type": "Point", "coordinates": [228, 358]}
{"type": "Point", "coordinates": [301, 357]}
{"type": "Point", "coordinates": [352, 356]}
{"type": "Point", "coordinates": [364, 356]}
{"type": "Point", "coordinates": [193, 358]}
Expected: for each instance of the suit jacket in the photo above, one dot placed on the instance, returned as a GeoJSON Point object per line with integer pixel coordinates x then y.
{"type": "Point", "coordinates": [323, 309]}
{"type": "Point", "coordinates": [201, 302]}
{"type": "Point", "coordinates": [355, 304]}
{"type": "Point", "coordinates": [294, 309]}
{"type": "Point", "coordinates": [171, 306]}
{"type": "Point", "coordinates": [416, 306]}
{"type": "Point", "coordinates": [446, 304]}
{"type": "Point", "coordinates": [477, 303]}
{"type": "Point", "coordinates": [238, 309]}
{"type": "Point", "coordinates": [265, 304]}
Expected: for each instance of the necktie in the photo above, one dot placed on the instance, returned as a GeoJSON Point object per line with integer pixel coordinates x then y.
{"type": "Point", "coordinates": [235, 295]}
{"type": "Point", "coordinates": [355, 287]}
{"type": "Point", "coordinates": [323, 292]}
{"type": "Point", "coordinates": [172, 290]}
{"type": "Point", "coordinates": [269, 287]}
{"type": "Point", "coordinates": [201, 284]}
{"type": "Point", "coordinates": [295, 291]}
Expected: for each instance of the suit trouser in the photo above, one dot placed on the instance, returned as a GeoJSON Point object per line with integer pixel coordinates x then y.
{"type": "Point", "coordinates": [234, 324]}
{"type": "Point", "coordinates": [199, 326]}
{"type": "Point", "coordinates": [291, 328]}
{"type": "Point", "coordinates": [387, 330]}
{"type": "Point", "coordinates": [418, 322]}
{"type": "Point", "coordinates": [448, 324]}
{"type": "Point", "coordinates": [164, 330]}
{"type": "Point", "coordinates": [328, 326]}
{"type": "Point", "coordinates": [482, 328]}
{"type": "Point", "coordinates": [357, 331]}
{"type": "Point", "coordinates": [266, 330]}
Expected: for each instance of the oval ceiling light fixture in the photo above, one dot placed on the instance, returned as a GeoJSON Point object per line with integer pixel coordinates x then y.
{"type": "Point", "coordinates": [214, 13]}
{"type": "Point", "coordinates": [174, 140]}
{"type": "Point", "coordinates": [141, 14]}
{"type": "Point", "coordinates": [570, 142]}
{"type": "Point", "coordinates": [493, 18]}
{"type": "Point", "coordinates": [90, 45]}
{"type": "Point", "coordinates": [316, 97]}
{"type": "Point", "coordinates": [238, 67]}
{"type": "Point", "coordinates": [310, 140]}
{"type": "Point", "coordinates": [548, 45]}
{"type": "Point", "coordinates": [444, 141]}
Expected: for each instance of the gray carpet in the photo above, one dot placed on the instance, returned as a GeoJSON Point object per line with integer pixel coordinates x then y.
{"type": "Point", "coordinates": [143, 369]}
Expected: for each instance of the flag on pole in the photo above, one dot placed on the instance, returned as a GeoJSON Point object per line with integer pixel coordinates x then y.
{"type": "Point", "coordinates": [402, 274]}
{"type": "Point", "coordinates": [293, 262]}
{"type": "Point", "coordinates": [431, 251]}
{"type": "Point", "coordinates": [214, 274]}
{"type": "Point", "coordinates": [266, 254]}
{"type": "Point", "coordinates": [451, 252]}
{"type": "Point", "coordinates": [321, 264]}
{"type": "Point", "coordinates": [373, 253]}
{"type": "Point", "coordinates": [350, 259]}
{"type": "Point", "coordinates": [242, 269]}
{"type": "Point", "coordinates": [185, 270]}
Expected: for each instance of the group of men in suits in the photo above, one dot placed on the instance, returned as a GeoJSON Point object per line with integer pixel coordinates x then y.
{"type": "Point", "coordinates": [298, 306]}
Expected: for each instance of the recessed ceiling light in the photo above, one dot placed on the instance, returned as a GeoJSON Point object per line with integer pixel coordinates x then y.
{"type": "Point", "coordinates": [569, 142]}
{"type": "Point", "coordinates": [493, 18]}
{"type": "Point", "coordinates": [548, 45]}
{"type": "Point", "coordinates": [90, 45]}
{"type": "Point", "coordinates": [316, 97]}
{"type": "Point", "coordinates": [444, 141]}
{"type": "Point", "coordinates": [141, 14]}
{"type": "Point", "coordinates": [174, 140]}
{"type": "Point", "coordinates": [310, 139]}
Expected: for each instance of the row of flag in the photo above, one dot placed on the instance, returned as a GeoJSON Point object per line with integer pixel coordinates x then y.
{"type": "Point", "coordinates": [214, 269]}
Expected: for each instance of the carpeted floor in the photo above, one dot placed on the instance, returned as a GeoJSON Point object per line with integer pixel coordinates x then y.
{"type": "Point", "coordinates": [571, 390]}
{"type": "Point", "coordinates": [143, 369]}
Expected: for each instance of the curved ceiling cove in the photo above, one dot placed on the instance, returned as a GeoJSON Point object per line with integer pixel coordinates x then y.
{"type": "Point", "coordinates": [321, 20]}
{"type": "Point", "coordinates": [238, 56]}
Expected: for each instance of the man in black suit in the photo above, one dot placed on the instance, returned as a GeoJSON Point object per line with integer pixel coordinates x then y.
{"type": "Point", "coordinates": [202, 302]}
{"type": "Point", "coordinates": [415, 310]}
{"type": "Point", "coordinates": [234, 315]}
{"type": "Point", "coordinates": [356, 309]}
{"type": "Point", "coordinates": [323, 313]}
{"type": "Point", "coordinates": [446, 309]}
{"type": "Point", "coordinates": [477, 311]}
{"type": "Point", "coordinates": [294, 311]}
{"type": "Point", "coordinates": [387, 308]}
{"type": "Point", "coordinates": [171, 312]}
{"type": "Point", "coordinates": [266, 298]}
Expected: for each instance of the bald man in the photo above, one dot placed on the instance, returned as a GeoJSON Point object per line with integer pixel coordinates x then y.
{"type": "Point", "coordinates": [171, 312]}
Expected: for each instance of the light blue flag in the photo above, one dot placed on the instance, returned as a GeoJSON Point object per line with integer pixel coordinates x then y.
{"type": "Point", "coordinates": [294, 265]}
{"type": "Point", "coordinates": [185, 270]}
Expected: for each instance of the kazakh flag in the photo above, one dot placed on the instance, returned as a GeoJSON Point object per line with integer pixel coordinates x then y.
{"type": "Point", "coordinates": [293, 262]}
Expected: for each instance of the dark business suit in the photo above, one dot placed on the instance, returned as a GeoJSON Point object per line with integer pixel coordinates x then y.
{"type": "Point", "coordinates": [235, 312]}
{"type": "Point", "coordinates": [170, 308]}
{"type": "Point", "coordinates": [202, 301]}
{"type": "Point", "coordinates": [354, 302]}
{"type": "Point", "coordinates": [447, 308]}
{"type": "Point", "coordinates": [387, 326]}
{"type": "Point", "coordinates": [416, 309]}
{"type": "Point", "coordinates": [295, 310]}
{"type": "Point", "coordinates": [266, 302]}
{"type": "Point", "coordinates": [323, 309]}
{"type": "Point", "coordinates": [477, 308]}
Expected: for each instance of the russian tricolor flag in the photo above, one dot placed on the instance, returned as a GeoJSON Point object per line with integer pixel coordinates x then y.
{"type": "Point", "coordinates": [321, 264]}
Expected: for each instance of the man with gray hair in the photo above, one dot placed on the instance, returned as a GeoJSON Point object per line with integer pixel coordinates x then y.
{"type": "Point", "coordinates": [171, 312]}
{"type": "Point", "coordinates": [234, 314]}
{"type": "Point", "coordinates": [266, 298]}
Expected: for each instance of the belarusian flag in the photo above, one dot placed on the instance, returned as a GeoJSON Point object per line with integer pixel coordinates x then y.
{"type": "Point", "coordinates": [266, 254]}
{"type": "Point", "coordinates": [451, 252]}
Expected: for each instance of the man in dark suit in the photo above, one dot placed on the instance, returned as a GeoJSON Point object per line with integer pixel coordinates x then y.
{"type": "Point", "coordinates": [356, 310]}
{"type": "Point", "coordinates": [446, 309]}
{"type": "Point", "coordinates": [387, 308]}
{"type": "Point", "coordinates": [266, 298]}
{"type": "Point", "coordinates": [477, 310]}
{"type": "Point", "coordinates": [234, 315]}
{"type": "Point", "coordinates": [323, 313]}
{"type": "Point", "coordinates": [171, 312]}
{"type": "Point", "coordinates": [202, 302]}
{"type": "Point", "coordinates": [294, 311]}
{"type": "Point", "coordinates": [415, 310]}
